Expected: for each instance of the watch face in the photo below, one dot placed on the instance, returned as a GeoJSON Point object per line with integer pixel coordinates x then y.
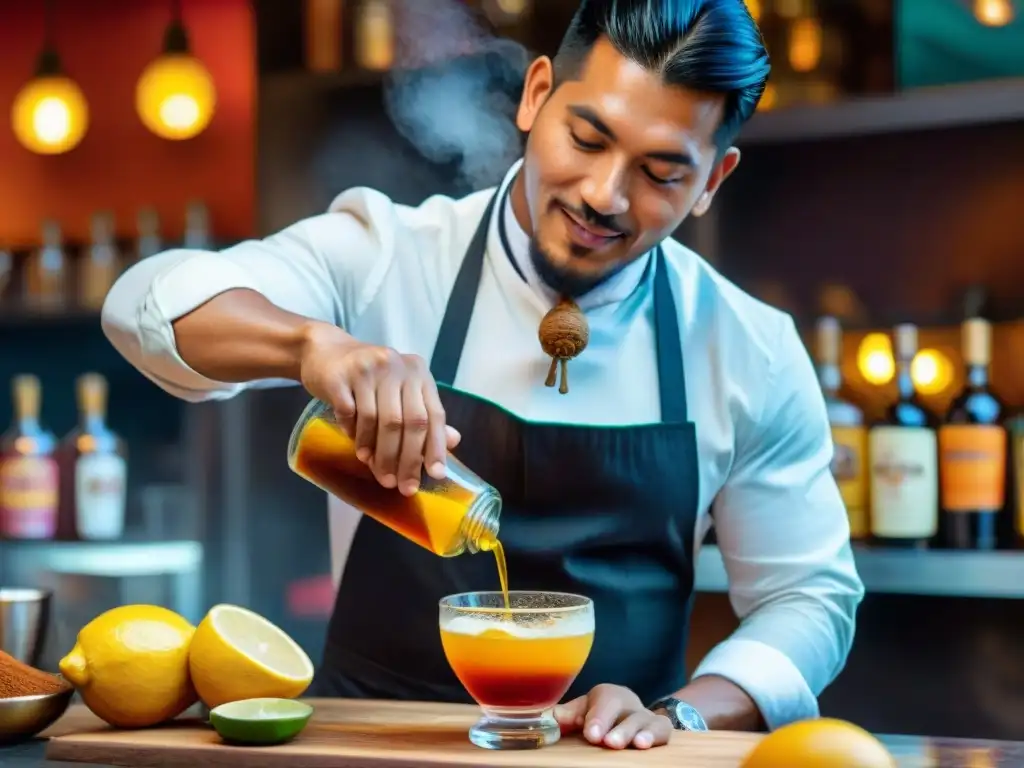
{"type": "Point", "coordinates": [689, 718]}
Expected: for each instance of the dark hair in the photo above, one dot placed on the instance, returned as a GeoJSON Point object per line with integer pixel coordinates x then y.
{"type": "Point", "coordinates": [706, 45]}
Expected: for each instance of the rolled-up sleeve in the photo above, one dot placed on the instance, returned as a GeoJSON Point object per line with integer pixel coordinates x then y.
{"type": "Point", "coordinates": [314, 268]}
{"type": "Point", "coordinates": [784, 536]}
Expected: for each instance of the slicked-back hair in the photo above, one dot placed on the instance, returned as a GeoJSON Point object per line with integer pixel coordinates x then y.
{"type": "Point", "coordinates": [703, 45]}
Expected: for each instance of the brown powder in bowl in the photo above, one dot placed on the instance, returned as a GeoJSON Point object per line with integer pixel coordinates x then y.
{"type": "Point", "coordinates": [17, 679]}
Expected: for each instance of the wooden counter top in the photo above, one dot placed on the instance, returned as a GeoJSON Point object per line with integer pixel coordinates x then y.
{"type": "Point", "coordinates": [371, 734]}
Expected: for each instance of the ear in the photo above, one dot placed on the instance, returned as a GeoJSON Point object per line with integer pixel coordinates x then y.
{"type": "Point", "coordinates": [722, 171]}
{"type": "Point", "coordinates": [540, 81]}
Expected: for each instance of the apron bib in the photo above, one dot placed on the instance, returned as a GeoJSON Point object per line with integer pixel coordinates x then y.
{"type": "Point", "coordinates": [608, 512]}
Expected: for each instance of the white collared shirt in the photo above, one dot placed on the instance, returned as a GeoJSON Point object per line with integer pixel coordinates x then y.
{"type": "Point", "coordinates": [384, 271]}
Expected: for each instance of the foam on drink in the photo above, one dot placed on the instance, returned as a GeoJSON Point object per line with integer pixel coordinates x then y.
{"type": "Point", "coordinates": [475, 625]}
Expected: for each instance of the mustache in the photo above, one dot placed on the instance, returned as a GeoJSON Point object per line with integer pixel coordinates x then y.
{"type": "Point", "coordinates": [596, 218]}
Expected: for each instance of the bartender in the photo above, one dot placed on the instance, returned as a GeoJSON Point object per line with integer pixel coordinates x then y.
{"type": "Point", "coordinates": [679, 401]}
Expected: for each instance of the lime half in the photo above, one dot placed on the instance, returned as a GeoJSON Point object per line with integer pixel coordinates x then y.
{"type": "Point", "coordinates": [260, 721]}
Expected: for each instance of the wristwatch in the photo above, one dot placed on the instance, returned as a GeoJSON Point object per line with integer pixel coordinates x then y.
{"type": "Point", "coordinates": [683, 716]}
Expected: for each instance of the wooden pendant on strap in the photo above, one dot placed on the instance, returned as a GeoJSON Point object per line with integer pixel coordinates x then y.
{"type": "Point", "coordinates": [564, 333]}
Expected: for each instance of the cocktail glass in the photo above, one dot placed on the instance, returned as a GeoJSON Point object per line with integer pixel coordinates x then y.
{"type": "Point", "coordinates": [517, 663]}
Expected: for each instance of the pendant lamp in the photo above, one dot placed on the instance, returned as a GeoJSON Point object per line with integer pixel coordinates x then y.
{"type": "Point", "coordinates": [175, 96]}
{"type": "Point", "coordinates": [50, 115]}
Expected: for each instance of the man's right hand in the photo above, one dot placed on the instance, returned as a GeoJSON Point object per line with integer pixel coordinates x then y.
{"type": "Point", "coordinates": [386, 401]}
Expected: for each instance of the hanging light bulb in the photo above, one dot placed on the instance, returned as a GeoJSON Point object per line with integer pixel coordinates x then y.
{"type": "Point", "coordinates": [993, 13]}
{"type": "Point", "coordinates": [175, 96]}
{"type": "Point", "coordinates": [50, 115]}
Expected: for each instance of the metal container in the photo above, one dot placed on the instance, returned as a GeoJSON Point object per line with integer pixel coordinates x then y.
{"type": "Point", "coordinates": [24, 620]}
{"type": "Point", "coordinates": [24, 717]}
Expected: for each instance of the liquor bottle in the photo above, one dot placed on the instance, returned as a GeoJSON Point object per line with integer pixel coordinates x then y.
{"type": "Point", "coordinates": [94, 468]}
{"type": "Point", "coordinates": [1015, 427]}
{"type": "Point", "coordinates": [324, 34]}
{"type": "Point", "coordinates": [29, 478]}
{"type": "Point", "coordinates": [849, 434]}
{"type": "Point", "coordinates": [197, 226]}
{"type": "Point", "coordinates": [101, 264]}
{"type": "Point", "coordinates": [375, 35]}
{"type": "Point", "coordinates": [972, 451]}
{"type": "Point", "coordinates": [904, 460]}
{"type": "Point", "coordinates": [46, 276]}
{"type": "Point", "coordinates": [149, 242]}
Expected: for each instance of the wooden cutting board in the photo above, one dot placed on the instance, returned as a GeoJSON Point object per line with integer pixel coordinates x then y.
{"type": "Point", "coordinates": [370, 734]}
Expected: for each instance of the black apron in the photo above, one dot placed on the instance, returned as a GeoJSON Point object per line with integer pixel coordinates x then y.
{"type": "Point", "coordinates": [603, 511]}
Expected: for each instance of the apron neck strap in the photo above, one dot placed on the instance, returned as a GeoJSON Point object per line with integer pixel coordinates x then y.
{"type": "Point", "coordinates": [451, 338]}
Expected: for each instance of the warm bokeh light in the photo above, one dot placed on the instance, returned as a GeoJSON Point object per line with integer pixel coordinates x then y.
{"type": "Point", "coordinates": [512, 7]}
{"type": "Point", "coordinates": [769, 98]}
{"type": "Point", "coordinates": [805, 44]}
{"type": "Point", "coordinates": [375, 36]}
{"type": "Point", "coordinates": [994, 13]}
{"type": "Point", "coordinates": [932, 372]}
{"type": "Point", "coordinates": [176, 97]}
{"type": "Point", "coordinates": [874, 359]}
{"type": "Point", "coordinates": [754, 6]}
{"type": "Point", "coordinates": [50, 115]}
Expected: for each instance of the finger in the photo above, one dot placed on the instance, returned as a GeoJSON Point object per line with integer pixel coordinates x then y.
{"type": "Point", "coordinates": [390, 421]}
{"type": "Point", "coordinates": [604, 712]}
{"type": "Point", "coordinates": [366, 417]}
{"type": "Point", "coordinates": [570, 715]}
{"type": "Point", "coordinates": [655, 733]}
{"type": "Point", "coordinates": [414, 437]}
{"type": "Point", "coordinates": [437, 440]}
{"type": "Point", "coordinates": [629, 729]}
{"type": "Point", "coordinates": [453, 437]}
{"type": "Point", "coordinates": [344, 404]}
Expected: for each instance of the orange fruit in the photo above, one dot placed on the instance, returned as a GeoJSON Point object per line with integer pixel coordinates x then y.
{"type": "Point", "coordinates": [821, 743]}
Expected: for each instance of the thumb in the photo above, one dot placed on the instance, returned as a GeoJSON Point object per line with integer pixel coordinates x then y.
{"type": "Point", "coordinates": [452, 436]}
{"type": "Point", "coordinates": [570, 715]}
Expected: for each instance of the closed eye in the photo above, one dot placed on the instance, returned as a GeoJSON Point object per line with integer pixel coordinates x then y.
{"type": "Point", "coordinates": [587, 146]}
{"type": "Point", "coordinates": [659, 180]}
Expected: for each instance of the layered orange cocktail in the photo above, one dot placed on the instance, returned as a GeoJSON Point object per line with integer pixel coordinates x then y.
{"type": "Point", "coordinates": [516, 662]}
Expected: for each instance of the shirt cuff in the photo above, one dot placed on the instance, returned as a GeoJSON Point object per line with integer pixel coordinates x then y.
{"type": "Point", "coordinates": [188, 284]}
{"type": "Point", "coordinates": [767, 675]}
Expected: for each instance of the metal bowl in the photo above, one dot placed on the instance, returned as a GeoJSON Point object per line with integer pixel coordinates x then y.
{"type": "Point", "coordinates": [23, 717]}
{"type": "Point", "coordinates": [24, 619]}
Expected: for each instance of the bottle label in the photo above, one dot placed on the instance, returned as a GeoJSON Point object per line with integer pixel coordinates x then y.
{"type": "Point", "coordinates": [28, 497]}
{"type": "Point", "coordinates": [849, 468]}
{"type": "Point", "coordinates": [100, 496]}
{"type": "Point", "coordinates": [904, 482]}
{"type": "Point", "coordinates": [972, 460]}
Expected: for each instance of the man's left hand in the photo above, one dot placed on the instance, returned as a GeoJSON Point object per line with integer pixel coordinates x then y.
{"type": "Point", "coordinates": [614, 717]}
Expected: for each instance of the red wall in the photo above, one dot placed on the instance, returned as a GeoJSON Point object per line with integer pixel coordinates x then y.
{"type": "Point", "coordinates": [120, 166]}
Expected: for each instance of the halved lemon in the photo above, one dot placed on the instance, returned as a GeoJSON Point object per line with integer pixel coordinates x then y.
{"type": "Point", "coordinates": [260, 721]}
{"type": "Point", "coordinates": [237, 654]}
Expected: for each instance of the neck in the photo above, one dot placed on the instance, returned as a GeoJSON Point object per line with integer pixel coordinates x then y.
{"type": "Point", "coordinates": [520, 207]}
{"type": "Point", "coordinates": [92, 421]}
{"type": "Point", "coordinates": [905, 381]}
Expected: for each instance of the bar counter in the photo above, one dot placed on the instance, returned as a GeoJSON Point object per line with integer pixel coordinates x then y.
{"type": "Point", "coordinates": [909, 751]}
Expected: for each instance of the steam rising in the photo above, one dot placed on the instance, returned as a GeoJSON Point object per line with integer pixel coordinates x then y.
{"type": "Point", "coordinates": [454, 90]}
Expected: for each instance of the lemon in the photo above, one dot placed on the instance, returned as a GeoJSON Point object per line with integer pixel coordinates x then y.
{"type": "Point", "coordinates": [131, 665]}
{"type": "Point", "coordinates": [822, 743]}
{"type": "Point", "coordinates": [237, 654]}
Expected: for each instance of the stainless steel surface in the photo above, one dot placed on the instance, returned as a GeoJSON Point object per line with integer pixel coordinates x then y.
{"type": "Point", "coordinates": [31, 561]}
{"type": "Point", "coordinates": [907, 572]}
{"type": "Point", "coordinates": [23, 717]}
{"type": "Point", "coordinates": [24, 619]}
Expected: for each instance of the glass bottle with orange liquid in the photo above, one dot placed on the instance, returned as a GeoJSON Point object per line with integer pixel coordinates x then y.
{"type": "Point", "coordinates": [29, 477]}
{"type": "Point", "coordinates": [447, 517]}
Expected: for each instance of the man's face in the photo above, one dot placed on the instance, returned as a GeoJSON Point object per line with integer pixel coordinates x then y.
{"type": "Point", "coordinates": [615, 161]}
